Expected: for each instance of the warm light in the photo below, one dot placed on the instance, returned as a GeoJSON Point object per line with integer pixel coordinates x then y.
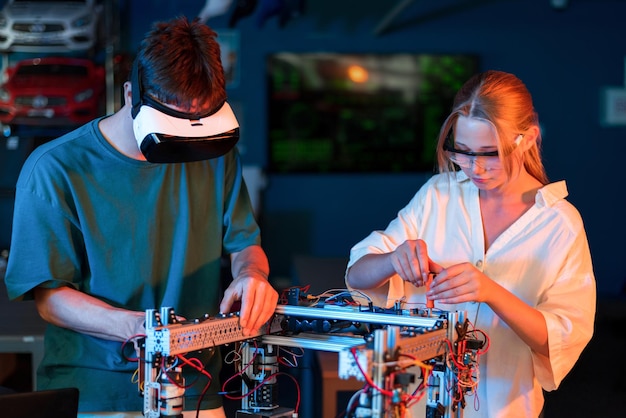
{"type": "Point", "coordinates": [357, 74]}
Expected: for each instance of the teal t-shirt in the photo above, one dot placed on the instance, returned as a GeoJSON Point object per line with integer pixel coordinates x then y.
{"type": "Point", "coordinates": [135, 234]}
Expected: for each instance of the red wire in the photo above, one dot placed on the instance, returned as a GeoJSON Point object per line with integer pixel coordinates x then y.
{"type": "Point", "coordinates": [133, 359]}
{"type": "Point", "coordinates": [241, 371]}
{"type": "Point", "coordinates": [197, 364]}
{"type": "Point", "coordinates": [367, 378]}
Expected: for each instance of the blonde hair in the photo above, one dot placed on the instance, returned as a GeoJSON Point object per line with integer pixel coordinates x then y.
{"type": "Point", "coordinates": [502, 100]}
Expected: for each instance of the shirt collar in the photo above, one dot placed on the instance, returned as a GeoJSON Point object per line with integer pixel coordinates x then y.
{"type": "Point", "coordinates": [461, 176]}
{"type": "Point", "coordinates": [551, 193]}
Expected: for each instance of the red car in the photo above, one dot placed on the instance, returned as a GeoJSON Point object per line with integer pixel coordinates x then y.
{"type": "Point", "coordinates": [52, 91]}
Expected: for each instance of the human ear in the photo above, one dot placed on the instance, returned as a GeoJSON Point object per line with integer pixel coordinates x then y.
{"type": "Point", "coordinates": [529, 139]}
{"type": "Point", "coordinates": [127, 93]}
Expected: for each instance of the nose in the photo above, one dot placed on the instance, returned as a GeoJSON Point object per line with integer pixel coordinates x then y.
{"type": "Point", "coordinates": [475, 167]}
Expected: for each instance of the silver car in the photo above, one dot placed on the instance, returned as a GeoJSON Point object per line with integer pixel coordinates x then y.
{"type": "Point", "coordinates": [50, 25]}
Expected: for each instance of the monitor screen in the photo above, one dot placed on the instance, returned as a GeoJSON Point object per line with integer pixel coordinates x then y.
{"type": "Point", "coordinates": [356, 113]}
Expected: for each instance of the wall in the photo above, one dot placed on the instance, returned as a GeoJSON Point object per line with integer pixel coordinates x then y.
{"type": "Point", "coordinates": [566, 57]}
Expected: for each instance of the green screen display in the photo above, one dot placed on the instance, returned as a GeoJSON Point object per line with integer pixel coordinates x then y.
{"type": "Point", "coordinates": [339, 112]}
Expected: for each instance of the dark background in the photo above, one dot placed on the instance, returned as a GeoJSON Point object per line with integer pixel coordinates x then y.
{"type": "Point", "coordinates": [566, 56]}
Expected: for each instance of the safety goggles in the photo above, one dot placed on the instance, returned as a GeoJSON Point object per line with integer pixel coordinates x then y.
{"type": "Point", "coordinates": [486, 160]}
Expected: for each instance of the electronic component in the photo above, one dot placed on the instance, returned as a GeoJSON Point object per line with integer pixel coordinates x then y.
{"type": "Point", "coordinates": [381, 348]}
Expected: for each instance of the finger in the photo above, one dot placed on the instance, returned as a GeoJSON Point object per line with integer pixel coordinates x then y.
{"type": "Point", "coordinates": [434, 267]}
{"type": "Point", "coordinates": [441, 280]}
{"type": "Point", "coordinates": [449, 277]}
{"type": "Point", "coordinates": [264, 307]}
{"type": "Point", "coordinates": [415, 271]}
{"type": "Point", "coordinates": [402, 266]}
{"type": "Point", "coordinates": [451, 288]}
{"type": "Point", "coordinates": [406, 271]}
{"type": "Point", "coordinates": [227, 302]}
{"type": "Point", "coordinates": [246, 307]}
{"type": "Point", "coordinates": [455, 295]}
{"type": "Point", "coordinates": [421, 252]}
{"type": "Point", "coordinates": [410, 264]}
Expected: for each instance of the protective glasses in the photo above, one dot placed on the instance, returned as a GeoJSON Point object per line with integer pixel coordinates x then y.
{"type": "Point", "coordinates": [486, 160]}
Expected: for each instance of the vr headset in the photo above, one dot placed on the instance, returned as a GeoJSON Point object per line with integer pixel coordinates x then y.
{"type": "Point", "coordinates": [165, 135]}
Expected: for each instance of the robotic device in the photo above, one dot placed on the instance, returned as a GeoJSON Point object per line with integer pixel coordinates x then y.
{"type": "Point", "coordinates": [390, 350]}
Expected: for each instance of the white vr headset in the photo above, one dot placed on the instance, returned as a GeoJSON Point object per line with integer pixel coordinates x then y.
{"type": "Point", "coordinates": [165, 135]}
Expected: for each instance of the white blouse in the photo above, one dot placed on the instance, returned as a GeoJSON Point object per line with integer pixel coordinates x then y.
{"type": "Point", "coordinates": [543, 258]}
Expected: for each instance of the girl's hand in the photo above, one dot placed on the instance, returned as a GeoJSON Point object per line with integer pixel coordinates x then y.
{"type": "Point", "coordinates": [411, 262]}
{"type": "Point", "coordinates": [460, 283]}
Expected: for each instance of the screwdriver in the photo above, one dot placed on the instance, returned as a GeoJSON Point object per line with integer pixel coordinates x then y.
{"type": "Point", "coordinates": [430, 303]}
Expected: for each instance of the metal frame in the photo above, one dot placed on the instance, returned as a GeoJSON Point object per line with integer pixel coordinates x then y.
{"type": "Point", "coordinates": [422, 336]}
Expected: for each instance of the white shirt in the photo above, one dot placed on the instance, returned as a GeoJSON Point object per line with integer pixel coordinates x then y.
{"type": "Point", "coordinates": [543, 258]}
